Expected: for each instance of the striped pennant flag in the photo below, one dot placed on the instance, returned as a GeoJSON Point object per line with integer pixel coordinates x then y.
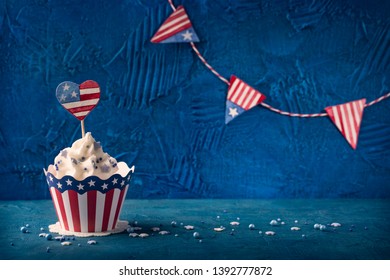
{"type": "Point", "coordinates": [176, 29]}
{"type": "Point", "coordinates": [347, 118]}
{"type": "Point", "coordinates": [241, 97]}
{"type": "Point", "coordinates": [79, 100]}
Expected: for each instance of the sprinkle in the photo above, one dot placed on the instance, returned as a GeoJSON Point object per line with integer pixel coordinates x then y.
{"type": "Point", "coordinates": [188, 227]}
{"type": "Point", "coordinates": [238, 218]}
{"type": "Point", "coordinates": [303, 236]}
{"type": "Point", "coordinates": [279, 219]}
{"type": "Point", "coordinates": [164, 232]}
{"type": "Point", "coordinates": [219, 229]}
{"type": "Point", "coordinates": [218, 217]}
{"type": "Point", "coordinates": [173, 223]}
{"type": "Point", "coordinates": [133, 234]}
{"type": "Point", "coordinates": [42, 235]}
{"type": "Point", "coordinates": [273, 222]}
{"type": "Point", "coordinates": [42, 229]}
{"type": "Point", "coordinates": [317, 226]}
{"type": "Point", "coordinates": [260, 232]}
{"type": "Point", "coordinates": [66, 243]}
{"type": "Point", "coordinates": [282, 223]}
{"type": "Point", "coordinates": [335, 225]}
{"type": "Point", "coordinates": [234, 223]}
{"type": "Point", "coordinates": [155, 229]}
{"type": "Point", "coordinates": [270, 233]}
{"type": "Point", "coordinates": [251, 226]}
{"type": "Point", "coordinates": [295, 228]}
{"type": "Point", "coordinates": [196, 235]}
{"type": "Point", "coordinates": [91, 242]}
{"type": "Point", "coordinates": [48, 250]}
{"type": "Point", "coordinates": [322, 227]}
{"type": "Point", "coordinates": [296, 221]}
{"type": "Point", "coordinates": [176, 235]}
{"type": "Point", "coordinates": [23, 229]}
{"type": "Point", "coordinates": [144, 235]}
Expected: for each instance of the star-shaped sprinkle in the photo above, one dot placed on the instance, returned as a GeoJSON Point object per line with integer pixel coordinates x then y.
{"type": "Point", "coordinates": [68, 182]}
{"type": "Point", "coordinates": [66, 87]}
{"type": "Point", "coordinates": [74, 94]}
{"type": "Point", "coordinates": [59, 185]}
{"type": "Point", "coordinates": [104, 186]}
{"type": "Point", "coordinates": [114, 181]}
{"type": "Point", "coordinates": [233, 112]}
{"type": "Point", "coordinates": [187, 35]}
{"type": "Point", "coordinates": [123, 183]}
{"type": "Point", "coordinates": [91, 183]}
{"type": "Point", "coordinates": [80, 187]}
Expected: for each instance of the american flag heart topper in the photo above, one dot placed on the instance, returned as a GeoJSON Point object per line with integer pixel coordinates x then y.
{"type": "Point", "coordinates": [79, 100]}
{"type": "Point", "coordinates": [177, 28]}
{"type": "Point", "coordinates": [347, 118]}
{"type": "Point", "coordinates": [241, 97]}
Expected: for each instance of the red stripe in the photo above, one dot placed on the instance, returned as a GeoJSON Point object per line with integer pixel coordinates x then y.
{"type": "Point", "coordinates": [118, 208]}
{"type": "Point", "coordinates": [54, 198]}
{"type": "Point", "coordinates": [107, 209]}
{"type": "Point", "coordinates": [262, 97]}
{"type": "Point", "coordinates": [89, 84]}
{"type": "Point", "coordinates": [176, 14]}
{"type": "Point", "coordinates": [170, 34]}
{"type": "Point", "coordinates": [62, 209]}
{"type": "Point", "coordinates": [84, 97]}
{"type": "Point", "coordinates": [74, 208]}
{"type": "Point", "coordinates": [81, 109]}
{"type": "Point", "coordinates": [91, 200]}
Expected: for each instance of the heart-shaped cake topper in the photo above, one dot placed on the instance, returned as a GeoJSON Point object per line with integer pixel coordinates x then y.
{"type": "Point", "coordinates": [79, 100]}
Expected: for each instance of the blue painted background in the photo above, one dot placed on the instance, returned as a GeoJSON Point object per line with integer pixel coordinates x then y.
{"type": "Point", "coordinates": [163, 111]}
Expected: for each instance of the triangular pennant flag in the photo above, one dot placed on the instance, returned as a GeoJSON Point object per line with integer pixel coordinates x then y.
{"type": "Point", "coordinates": [176, 29]}
{"type": "Point", "coordinates": [241, 97]}
{"type": "Point", "coordinates": [347, 118]}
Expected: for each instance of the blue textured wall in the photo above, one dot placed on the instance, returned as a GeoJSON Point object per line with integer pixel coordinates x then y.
{"type": "Point", "coordinates": [162, 110]}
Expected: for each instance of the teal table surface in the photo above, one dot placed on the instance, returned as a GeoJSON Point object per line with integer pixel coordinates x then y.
{"type": "Point", "coordinates": [364, 232]}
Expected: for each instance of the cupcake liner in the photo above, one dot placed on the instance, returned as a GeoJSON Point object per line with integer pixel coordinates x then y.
{"type": "Point", "coordinates": [90, 205]}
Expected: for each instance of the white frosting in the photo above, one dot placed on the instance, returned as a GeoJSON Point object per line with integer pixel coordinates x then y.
{"type": "Point", "coordinates": [85, 158]}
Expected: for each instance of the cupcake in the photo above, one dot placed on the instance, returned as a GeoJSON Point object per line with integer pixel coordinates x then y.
{"type": "Point", "coordinates": [88, 188]}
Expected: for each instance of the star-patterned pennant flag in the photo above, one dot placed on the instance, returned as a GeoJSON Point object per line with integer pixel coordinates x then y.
{"type": "Point", "coordinates": [241, 97]}
{"type": "Point", "coordinates": [176, 29]}
{"type": "Point", "coordinates": [347, 118]}
{"type": "Point", "coordinates": [79, 100]}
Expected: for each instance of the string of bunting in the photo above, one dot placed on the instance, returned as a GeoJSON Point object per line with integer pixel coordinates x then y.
{"type": "Point", "coordinates": [241, 97]}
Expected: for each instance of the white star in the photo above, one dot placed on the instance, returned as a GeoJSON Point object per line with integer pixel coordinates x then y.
{"type": "Point", "coordinates": [68, 182]}
{"type": "Point", "coordinates": [91, 183]}
{"type": "Point", "coordinates": [59, 185]}
{"type": "Point", "coordinates": [51, 178]}
{"type": "Point", "coordinates": [123, 183]}
{"type": "Point", "coordinates": [187, 36]}
{"type": "Point", "coordinates": [104, 186]}
{"type": "Point", "coordinates": [74, 94]}
{"type": "Point", "coordinates": [62, 97]}
{"type": "Point", "coordinates": [233, 112]}
{"type": "Point", "coordinates": [80, 186]}
{"type": "Point", "coordinates": [66, 87]}
{"type": "Point", "coordinates": [114, 181]}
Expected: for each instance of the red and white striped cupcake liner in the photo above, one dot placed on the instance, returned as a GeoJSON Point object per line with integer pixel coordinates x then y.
{"type": "Point", "coordinates": [91, 205]}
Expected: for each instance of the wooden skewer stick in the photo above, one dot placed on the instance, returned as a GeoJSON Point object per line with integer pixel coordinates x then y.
{"type": "Point", "coordinates": [82, 128]}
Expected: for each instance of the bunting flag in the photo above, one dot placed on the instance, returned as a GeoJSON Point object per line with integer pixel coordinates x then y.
{"type": "Point", "coordinates": [241, 97]}
{"type": "Point", "coordinates": [176, 29]}
{"type": "Point", "coordinates": [347, 118]}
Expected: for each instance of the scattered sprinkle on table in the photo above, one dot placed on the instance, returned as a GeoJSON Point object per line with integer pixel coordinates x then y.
{"type": "Point", "coordinates": [270, 233]}
{"type": "Point", "coordinates": [219, 229]}
{"type": "Point", "coordinates": [66, 243]}
{"type": "Point", "coordinates": [295, 228]}
{"type": "Point", "coordinates": [335, 225]}
{"type": "Point", "coordinates": [91, 242]}
{"type": "Point", "coordinates": [234, 223]}
{"type": "Point", "coordinates": [189, 227]}
{"type": "Point", "coordinates": [143, 235]}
